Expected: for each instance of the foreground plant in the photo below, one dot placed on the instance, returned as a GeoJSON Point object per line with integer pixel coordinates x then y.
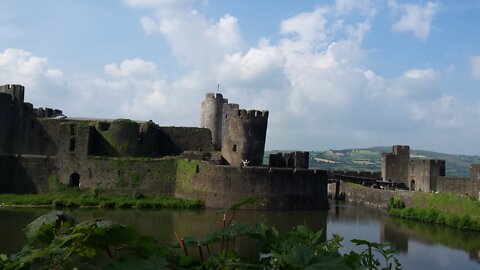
{"type": "Point", "coordinates": [58, 241]}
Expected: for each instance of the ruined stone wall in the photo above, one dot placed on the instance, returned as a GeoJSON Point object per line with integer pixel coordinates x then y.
{"type": "Point", "coordinates": [459, 185]}
{"type": "Point", "coordinates": [395, 164]}
{"type": "Point", "coordinates": [297, 159]}
{"type": "Point", "coordinates": [38, 136]}
{"type": "Point", "coordinates": [419, 175]}
{"type": "Point", "coordinates": [123, 175]}
{"type": "Point", "coordinates": [281, 188]}
{"type": "Point", "coordinates": [175, 140]}
{"type": "Point", "coordinates": [132, 139]}
{"type": "Point", "coordinates": [7, 120]}
{"type": "Point", "coordinates": [372, 197]}
{"type": "Point", "coordinates": [245, 139]}
{"type": "Point", "coordinates": [360, 174]}
{"type": "Point", "coordinates": [423, 174]}
{"type": "Point", "coordinates": [25, 173]}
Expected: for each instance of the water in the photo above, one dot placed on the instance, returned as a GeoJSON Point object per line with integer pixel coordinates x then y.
{"type": "Point", "coordinates": [418, 245]}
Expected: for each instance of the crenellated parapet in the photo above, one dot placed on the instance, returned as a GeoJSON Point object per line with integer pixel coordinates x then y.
{"type": "Point", "coordinates": [16, 92]}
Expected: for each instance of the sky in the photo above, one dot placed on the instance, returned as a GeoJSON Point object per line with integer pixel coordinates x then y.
{"type": "Point", "coordinates": [333, 74]}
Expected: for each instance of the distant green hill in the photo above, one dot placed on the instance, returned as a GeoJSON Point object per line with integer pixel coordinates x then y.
{"type": "Point", "coordinates": [370, 159]}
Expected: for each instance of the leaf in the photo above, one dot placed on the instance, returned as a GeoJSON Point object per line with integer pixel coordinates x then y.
{"type": "Point", "coordinates": [186, 261]}
{"type": "Point", "coordinates": [154, 262]}
{"type": "Point", "coordinates": [43, 229]}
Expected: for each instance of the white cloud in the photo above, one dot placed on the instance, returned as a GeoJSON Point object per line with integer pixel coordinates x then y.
{"type": "Point", "coordinates": [419, 73]}
{"type": "Point", "coordinates": [132, 68]}
{"type": "Point", "coordinates": [44, 83]}
{"type": "Point", "coordinates": [416, 18]}
{"type": "Point", "coordinates": [308, 26]}
{"type": "Point", "coordinates": [197, 41]}
{"type": "Point", "coordinates": [475, 62]}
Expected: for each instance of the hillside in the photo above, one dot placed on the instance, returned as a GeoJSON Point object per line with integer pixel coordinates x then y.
{"type": "Point", "coordinates": [370, 159]}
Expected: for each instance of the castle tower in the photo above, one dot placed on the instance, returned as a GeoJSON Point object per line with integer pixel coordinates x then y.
{"type": "Point", "coordinates": [245, 137]}
{"type": "Point", "coordinates": [395, 164]}
{"type": "Point", "coordinates": [16, 91]}
{"type": "Point", "coordinates": [211, 116]}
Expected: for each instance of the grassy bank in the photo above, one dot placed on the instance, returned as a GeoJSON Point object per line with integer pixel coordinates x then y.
{"type": "Point", "coordinates": [75, 198]}
{"type": "Point", "coordinates": [453, 210]}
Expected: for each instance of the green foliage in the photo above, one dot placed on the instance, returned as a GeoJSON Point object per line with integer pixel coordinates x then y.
{"type": "Point", "coordinates": [138, 195]}
{"type": "Point", "coordinates": [185, 171]}
{"type": "Point", "coordinates": [395, 203]}
{"type": "Point", "coordinates": [55, 184]}
{"type": "Point", "coordinates": [58, 241]}
{"type": "Point", "coordinates": [95, 192]}
{"type": "Point", "coordinates": [453, 210]}
{"type": "Point", "coordinates": [461, 222]}
{"type": "Point", "coordinates": [369, 261]}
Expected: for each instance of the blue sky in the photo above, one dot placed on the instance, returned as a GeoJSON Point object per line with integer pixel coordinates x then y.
{"type": "Point", "coordinates": [333, 74]}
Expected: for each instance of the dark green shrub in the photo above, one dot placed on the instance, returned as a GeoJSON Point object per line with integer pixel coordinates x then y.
{"type": "Point", "coordinates": [124, 205]}
{"type": "Point", "coordinates": [138, 195]}
{"type": "Point", "coordinates": [144, 205]}
{"type": "Point", "coordinates": [94, 192]}
{"type": "Point", "coordinates": [71, 204]}
{"type": "Point", "coordinates": [58, 204]}
{"type": "Point", "coordinates": [107, 205]}
{"type": "Point", "coordinates": [452, 220]}
{"type": "Point", "coordinates": [465, 222]}
{"type": "Point", "coordinates": [395, 203]}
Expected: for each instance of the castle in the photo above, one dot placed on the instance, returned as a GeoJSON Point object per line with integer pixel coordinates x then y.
{"type": "Point", "coordinates": [427, 175]}
{"type": "Point", "coordinates": [221, 162]}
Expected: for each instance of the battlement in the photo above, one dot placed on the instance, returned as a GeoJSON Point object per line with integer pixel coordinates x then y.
{"type": "Point", "coordinates": [215, 96]}
{"type": "Point", "coordinates": [251, 114]}
{"type": "Point", "coordinates": [227, 107]}
{"type": "Point", "coordinates": [46, 112]}
{"type": "Point", "coordinates": [401, 149]}
{"type": "Point", "coordinates": [15, 90]}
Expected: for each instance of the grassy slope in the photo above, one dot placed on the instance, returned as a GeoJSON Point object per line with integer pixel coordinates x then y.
{"type": "Point", "coordinates": [370, 159]}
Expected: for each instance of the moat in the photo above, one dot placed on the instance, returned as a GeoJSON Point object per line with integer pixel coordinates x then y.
{"type": "Point", "coordinates": [418, 245]}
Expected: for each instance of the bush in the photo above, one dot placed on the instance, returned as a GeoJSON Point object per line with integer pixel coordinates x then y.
{"type": "Point", "coordinates": [58, 204]}
{"type": "Point", "coordinates": [107, 205]}
{"type": "Point", "coordinates": [138, 195]}
{"type": "Point", "coordinates": [124, 205]}
{"type": "Point", "coordinates": [71, 204]}
{"type": "Point", "coordinates": [144, 205]}
{"type": "Point", "coordinates": [94, 192]}
{"type": "Point", "coordinates": [395, 203]}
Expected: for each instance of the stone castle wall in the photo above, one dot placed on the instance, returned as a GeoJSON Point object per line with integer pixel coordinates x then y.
{"type": "Point", "coordinates": [280, 188]}
{"type": "Point", "coordinates": [218, 186]}
{"type": "Point", "coordinates": [25, 173]}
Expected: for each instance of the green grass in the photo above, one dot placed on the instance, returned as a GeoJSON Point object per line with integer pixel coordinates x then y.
{"type": "Point", "coordinates": [447, 202]}
{"type": "Point", "coordinates": [453, 210]}
{"type": "Point", "coordinates": [77, 198]}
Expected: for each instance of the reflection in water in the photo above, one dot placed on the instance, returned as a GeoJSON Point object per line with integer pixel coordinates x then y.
{"type": "Point", "coordinates": [396, 230]}
{"type": "Point", "coordinates": [418, 244]}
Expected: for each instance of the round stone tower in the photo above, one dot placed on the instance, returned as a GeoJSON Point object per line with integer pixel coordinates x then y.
{"type": "Point", "coordinates": [244, 140]}
{"type": "Point", "coordinates": [211, 116]}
